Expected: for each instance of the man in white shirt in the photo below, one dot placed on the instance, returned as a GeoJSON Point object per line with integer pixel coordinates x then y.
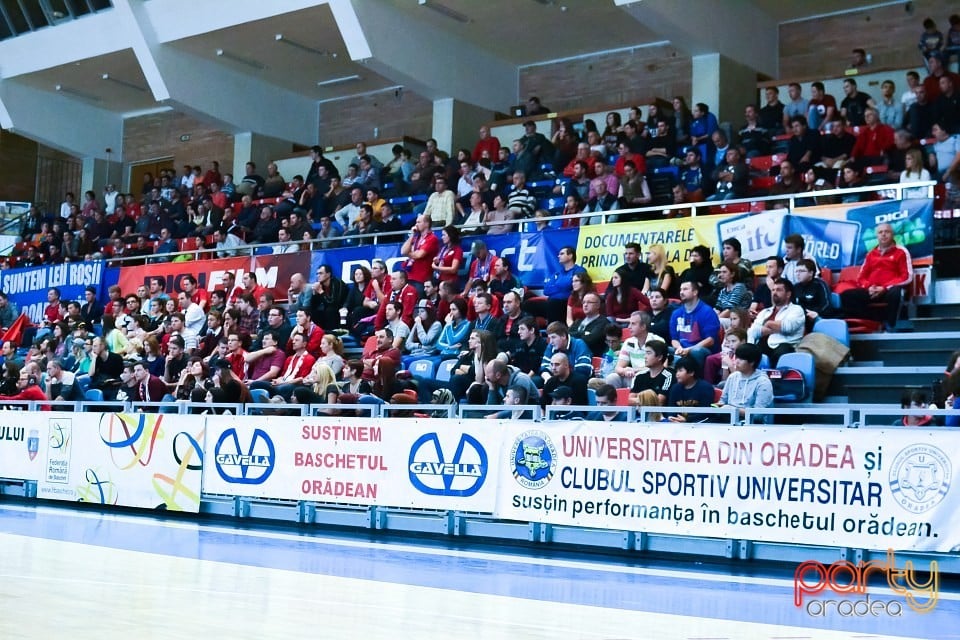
{"type": "Point", "coordinates": [284, 236]}
{"type": "Point", "coordinates": [779, 328]}
{"type": "Point", "coordinates": [227, 243]}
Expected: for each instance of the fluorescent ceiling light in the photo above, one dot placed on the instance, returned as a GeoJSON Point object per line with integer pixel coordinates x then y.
{"type": "Point", "coordinates": [444, 10]}
{"type": "Point", "coordinates": [124, 83]}
{"type": "Point", "coordinates": [296, 45]}
{"type": "Point", "coordinates": [325, 83]}
{"type": "Point", "coordinates": [253, 64]}
{"type": "Point", "coordinates": [76, 93]}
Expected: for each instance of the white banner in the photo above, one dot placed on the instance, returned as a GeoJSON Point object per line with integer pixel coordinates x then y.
{"type": "Point", "coordinates": [396, 462]}
{"type": "Point", "coordinates": [862, 488]}
{"type": "Point", "coordinates": [20, 445]}
{"type": "Point", "coordinates": [151, 461]}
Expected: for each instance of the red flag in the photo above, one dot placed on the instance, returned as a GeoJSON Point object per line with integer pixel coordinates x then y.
{"type": "Point", "coordinates": [15, 332]}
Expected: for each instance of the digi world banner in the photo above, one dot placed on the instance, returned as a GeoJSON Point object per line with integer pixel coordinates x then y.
{"type": "Point", "coordinates": [149, 461]}
{"type": "Point", "coordinates": [874, 489]}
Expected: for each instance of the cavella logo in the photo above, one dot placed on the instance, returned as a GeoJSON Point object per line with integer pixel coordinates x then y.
{"type": "Point", "coordinates": [845, 578]}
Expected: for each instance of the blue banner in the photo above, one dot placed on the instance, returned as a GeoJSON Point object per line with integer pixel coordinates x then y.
{"type": "Point", "coordinates": [832, 243]}
{"type": "Point", "coordinates": [912, 222]}
{"type": "Point", "coordinates": [28, 287]}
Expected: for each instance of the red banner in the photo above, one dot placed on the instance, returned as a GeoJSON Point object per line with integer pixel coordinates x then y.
{"type": "Point", "coordinates": [273, 272]}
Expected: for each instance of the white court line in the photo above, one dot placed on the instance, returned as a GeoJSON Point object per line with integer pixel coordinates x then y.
{"type": "Point", "coordinates": [681, 574]}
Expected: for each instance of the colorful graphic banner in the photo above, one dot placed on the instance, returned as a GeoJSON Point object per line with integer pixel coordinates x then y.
{"type": "Point", "coordinates": [432, 464]}
{"type": "Point", "coordinates": [20, 457]}
{"type": "Point", "coordinates": [149, 461]}
{"type": "Point", "coordinates": [28, 287]}
{"type": "Point", "coordinates": [836, 486]}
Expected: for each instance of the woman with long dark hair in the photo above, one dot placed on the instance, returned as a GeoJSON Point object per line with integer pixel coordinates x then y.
{"type": "Point", "coordinates": [621, 300]}
{"type": "Point", "coordinates": [682, 117]}
{"type": "Point", "coordinates": [582, 285]}
{"type": "Point", "coordinates": [359, 280]}
{"type": "Point", "coordinates": [422, 341]}
{"type": "Point", "coordinates": [448, 261]}
{"type": "Point", "coordinates": [233, 388]}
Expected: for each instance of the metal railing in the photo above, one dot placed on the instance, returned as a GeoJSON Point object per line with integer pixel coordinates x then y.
{"type": "Point", "coordinates": [695, 208]}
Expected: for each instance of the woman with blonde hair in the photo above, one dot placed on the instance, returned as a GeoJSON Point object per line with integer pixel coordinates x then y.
{"type": "Point", "coordinates": [321, 387]}
{"type": "Point", "coordinates": [663, 275]}
{"type": "Point", "coordinates": [331, 353]}
{"type": "Point", "coordinates": [914, 171]}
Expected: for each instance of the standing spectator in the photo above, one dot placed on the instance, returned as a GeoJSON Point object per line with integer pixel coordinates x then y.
{"type": "Point", "coordinates": [931, 40]}
{"type": "Point", "coordinates": [854, 105]}
{"type": "Point", "coordinates": [771, 113]}
{"type": "Point", "coordinates": [420, 248]}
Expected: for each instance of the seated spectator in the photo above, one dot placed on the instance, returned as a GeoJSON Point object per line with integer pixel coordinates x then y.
{"type": "Point", "coordinates": [732, 252]}
{"type": "Point", "coordinates": [526, 350]}
{"type": "Point", "coordinates": [650, 389]}
{"type": "Point", "coordinates": [874, 141]}
{"type": "Point", "coordinates": [498, 215]}
{"type": "Point", "coordinates": [732, 178]}
{"type": "Point", "coordinates": [787, 181]}
{"type": "Point", "coordinates": [921, 115]}
{"type": "Point", "coordinates": [508, 385]}
{"type": "Point", "coordinates": [914, 172]}
{"type": "Point", "coordinates": [575, 349]}
{"type": "Point", "coordinates": [689, 390]}
{"type": "Point", "coordinates": [601, 202]}
{"type": "Point", "coordinates": [441, 205]}
{"type": "Point", "coordinates": [634, 189]}
{"type": "Point", "coordinates": [804, 144]}
{"type": "Point", "coordinates": [592, 326]}
{"type": "Point", "coordinates": [761, 295]}
{"type": "Point", "coordinates": [694, 326]}
{"type": "Point", "coordinates": [700, 270]}
{"type": "Point", "coordinates": [754, 138]}
{"type": "Point", "coordinates": [747, 387]}
{"type": "Point", "coordinates": [606, 397]}
{"type": "Point", "coordinates": [886, 270]}
{"type": "Point", "coordinates": [622, 300]}
{"type": "Point", "coordinates": [811, 293]}
{"type": "Point", "coordinates": [732, 293]}
{"type": "Point", "coordinates": [946, 150]}
{"type": "Point", "coordinates": [662, 146]}
{"type": "Point", "coordinates": [560, 397]}
{"type": "Point", "coordinates": [836, 146]}
{"type": "Point", "coordinates": [779, 328]}
{"type": "Point", "coordinates": [692, 175]}
{"type": "Point", "coordinates": [720, 365]}
{"type": "Point", "coordinates": [630, 359]}
{"type": "Point", "coordinates": [562, 374]}
{"type": "Point", "coordinates": [581, 285]}
{"type": "Point", "coordinates": [853, 178]}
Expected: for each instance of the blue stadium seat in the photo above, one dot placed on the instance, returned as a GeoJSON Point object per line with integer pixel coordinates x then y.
{"type": "Point", "coordinates": [592, 397]}
{"type": "Point", "coordinates": [445, 369]}
{"type": "Point", "coordinates": [83, 382]}
{"type": "Point", "coordinates": [260, 396]}
{"type": "Point", "coordinates": [672, 170]}
{"type": "Point", "coordinates": [93, 395]}
{"type": "Point", "coordinates": [802, 362]}
{"type": "Point", "coordinates": [422, 367]}
{"type": "Point", "coordinates": [262, 251]}
{"type": "Point", "coordinates": [835, 328]}
{"type": "Point", "coordinates": [553, 204]}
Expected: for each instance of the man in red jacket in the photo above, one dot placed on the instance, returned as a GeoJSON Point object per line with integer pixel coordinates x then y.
{"type": "Point", "coordinates": [400, 291]}
{"type": "Point", "coordinates": [885, 272]}
{"type": "Point", "coordinates": [874, 140]}
{"type": "Point", "coordinates": [29, 389]}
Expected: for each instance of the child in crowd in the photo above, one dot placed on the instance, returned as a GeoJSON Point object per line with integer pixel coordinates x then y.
{"type": "Point", "coordinates": [931, 40]}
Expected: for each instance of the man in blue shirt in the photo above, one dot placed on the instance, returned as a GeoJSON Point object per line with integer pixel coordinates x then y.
{"type": "Point", "coordinates": [694, 326]}
{"type": "Point", "coordinates": [559, 286]}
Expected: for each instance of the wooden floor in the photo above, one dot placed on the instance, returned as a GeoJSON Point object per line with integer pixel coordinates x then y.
{"type": "Point", "coordinates": [73, 589]}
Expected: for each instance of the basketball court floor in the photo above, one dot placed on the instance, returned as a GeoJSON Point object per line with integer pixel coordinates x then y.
{"type": "Point", "coordinates": [75, 574]}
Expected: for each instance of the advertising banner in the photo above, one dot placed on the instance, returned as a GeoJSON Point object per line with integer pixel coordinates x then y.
{"type": "Point", "coordinates": [272, 271]}
{"type": "Point", "coordinates": [20, 446]}
{"type": "Point", "coordinates": [150, 461]}
{"type": "Point", "coordinates": [432, 464]}
{"type": "Point", "coordinates": [28, 287]}
{"type": "Point", "coordinates": [836, 235]}
{"type": "Point", "coordinates": [836, 486]}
